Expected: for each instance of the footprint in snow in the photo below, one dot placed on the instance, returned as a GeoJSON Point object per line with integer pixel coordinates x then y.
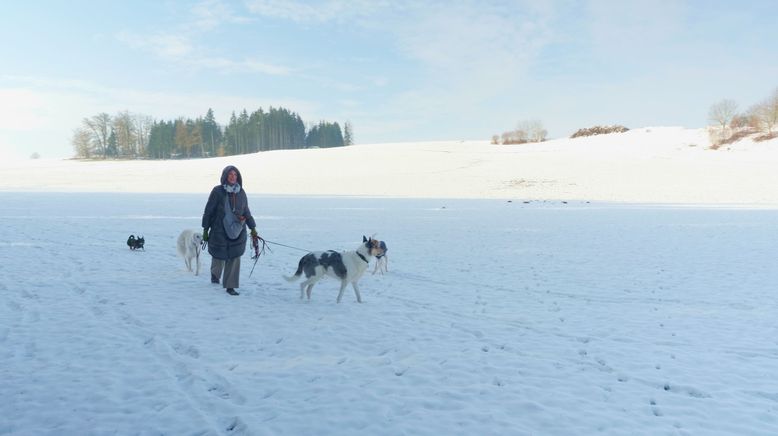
{"type": "Point", "coordinates": [235, 425]}
{"type": "Point", "coordinates": [654, 409]}
{"type": "Point", "coordinates": [187, 350]}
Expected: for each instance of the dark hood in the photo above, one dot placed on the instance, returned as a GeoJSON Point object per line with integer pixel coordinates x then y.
{"type": "Point", "coordinates": [227, 170]}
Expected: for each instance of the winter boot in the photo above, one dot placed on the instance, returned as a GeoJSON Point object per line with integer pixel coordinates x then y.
{"type": "Point", "coordinates": [232, 291]}
{"type": "Point", "coordinates": [214, 279]}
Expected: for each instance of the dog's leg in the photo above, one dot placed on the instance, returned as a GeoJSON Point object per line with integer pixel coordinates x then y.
{"type": "Point", "coordinates": [356, 291]}
{"type": "Point", "coordinates": [188, 265]}
{"type": "Point", "coordinates": [343, 285]}
{"type": "Point", "coordinates": [308, 291]}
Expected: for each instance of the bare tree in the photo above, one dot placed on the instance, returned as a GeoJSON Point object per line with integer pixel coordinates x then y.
{"type": "Point", "coordinates": [143, 125]}
{"type": "Point", "coordinates": [124, 127]}
{"type": "Point", "coordinates": [181, 138]}
{"type": "Point", "coordinates": [530, 131]}
{"type": "Point", "coordinates": [517, 136]}
{"type": "Point", "coordinates": [769, 113]}
{"type": "Point", "coordinates": [722, 113]}
{"type": "Point", "coordinates": [99, 127]}
{"type": "Point", "coordinates": [82, 143]}
{"type": "Point", "coordinates": [535, 130]}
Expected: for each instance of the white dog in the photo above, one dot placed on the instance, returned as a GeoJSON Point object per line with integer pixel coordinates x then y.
{"type": "Point", "coordinates": [348, 266]}
{"type": "Point", "coordinates": [189, 247]}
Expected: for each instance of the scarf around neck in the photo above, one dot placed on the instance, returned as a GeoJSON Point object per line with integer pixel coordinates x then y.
{"type": "Point", "coordinates": [232, 189]}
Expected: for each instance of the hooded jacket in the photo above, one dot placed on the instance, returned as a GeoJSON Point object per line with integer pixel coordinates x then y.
{"type": "Point", "coordinates": [220, 245]}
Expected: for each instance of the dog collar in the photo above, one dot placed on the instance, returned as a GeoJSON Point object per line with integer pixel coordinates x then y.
{"type": "Point", "coordinates": [362, 257]}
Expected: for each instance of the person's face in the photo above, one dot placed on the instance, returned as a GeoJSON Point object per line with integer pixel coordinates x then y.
{"type": "Point", "coordinates": [232, 177]}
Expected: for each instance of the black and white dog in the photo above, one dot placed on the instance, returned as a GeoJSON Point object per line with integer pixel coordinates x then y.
{"type": "Point", "coordinates": [381, 260]}
{"type": "Point", "coordinates": [348, 266]}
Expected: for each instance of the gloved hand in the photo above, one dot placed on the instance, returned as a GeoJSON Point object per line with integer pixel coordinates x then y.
{"type": "Point", "coordinates": [255, 241]}
{"type": "Point", "coordinates": [205, 235]}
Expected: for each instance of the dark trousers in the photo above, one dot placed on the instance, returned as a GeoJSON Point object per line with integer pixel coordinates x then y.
{"type": "Point", "coordinates": [231, 268]}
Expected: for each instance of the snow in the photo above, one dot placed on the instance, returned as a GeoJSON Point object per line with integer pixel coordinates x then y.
{"type": "Point", "coordinates": [649, 165]}
{"type": "Point", "coordinates": [530, 310]}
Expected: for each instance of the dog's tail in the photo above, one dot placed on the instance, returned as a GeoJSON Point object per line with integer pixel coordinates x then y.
{"type": "Point", "coordinates": [297, 273]}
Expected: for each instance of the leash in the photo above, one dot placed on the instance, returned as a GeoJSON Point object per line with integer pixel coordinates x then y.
{"type": "Point", "coordinates": [288, 246]}
{"type": "Point", "coordinates": [257, 251]}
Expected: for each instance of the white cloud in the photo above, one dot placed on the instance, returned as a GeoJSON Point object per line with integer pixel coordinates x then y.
{"type": "Point", "coordinates": [246, 65]}
{"type": "Point", "coordinates": [633, 29]}
{"type": "Point", "coordinates": [466, 40]}
{"type": "Point", "coordinates": [209, 14]}
{"type": "Point", "coordinates": [178, 49]}
{"type": "Point", "coordinates": [322, 11]}
{"type": "Point", "coordinates": [182, 46]}
{"type": "Point", "coordinates": [164, 45]}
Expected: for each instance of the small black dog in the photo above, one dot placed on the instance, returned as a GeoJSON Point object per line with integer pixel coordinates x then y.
{"type": "Point", "coordinates": [136, 243]}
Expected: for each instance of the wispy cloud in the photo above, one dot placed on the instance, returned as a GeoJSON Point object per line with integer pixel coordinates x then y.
{"type": "Point", "coordinates": [464, 41]}
{"type": "Point", "coordinates": [452, 54]}
{"type": "Point", "coordinates": [164, 45]}
{"type": "Point", "coordinates": [227, 66]}
{"type": "Point", "coordinates": [634, 28]}
{"type": "Point", "coordinates": [210, 14]}
{"type": "Point", "coordinates": [89, 98]}
{"type": "Point", "coordinates": [321, 11]}
{"type": "Point", "coordinates": [184, 45]}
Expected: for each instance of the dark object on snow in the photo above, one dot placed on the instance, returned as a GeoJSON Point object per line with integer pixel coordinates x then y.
{"type": "Point", "coordinates": [232, 291]}
{"type": "Point", "coordinates": [214, 279]}
{"type": "Point", "coordinates": [136, 243]}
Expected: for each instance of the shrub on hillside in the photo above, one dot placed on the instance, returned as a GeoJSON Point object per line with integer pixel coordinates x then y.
{"type": "Point", "coordinates": [525, 132]}
{"type": "Point", "coordinates": [766, 137]}
{"type": "Point", "coordinates": [599, 130]}
{"type": "Point", "coordinates": [730, 137]}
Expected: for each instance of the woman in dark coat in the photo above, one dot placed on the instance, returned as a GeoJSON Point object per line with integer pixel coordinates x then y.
{"type": "Point", "coordinates": [225, 219]}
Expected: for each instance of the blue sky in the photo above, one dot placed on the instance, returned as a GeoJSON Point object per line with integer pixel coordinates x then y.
{"type": "Point", "coordinates": [398, 70]}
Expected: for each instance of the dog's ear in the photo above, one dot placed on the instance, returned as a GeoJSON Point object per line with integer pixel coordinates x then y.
{"type": "Point", "coordinates": [364, 239]}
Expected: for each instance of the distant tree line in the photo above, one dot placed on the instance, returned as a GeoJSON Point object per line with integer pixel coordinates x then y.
{"type": "Point", "coordinates": [135, 136]}
{"type": "Point", "coordinates": [759, 121]}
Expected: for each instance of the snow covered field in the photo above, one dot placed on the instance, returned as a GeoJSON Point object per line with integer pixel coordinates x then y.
{"type": "Point", "coordinates": [496, 317]}
{"type": "Point", "coordinates": [654, 165]}
{"type": "Point", "coordinates": [622, 284]}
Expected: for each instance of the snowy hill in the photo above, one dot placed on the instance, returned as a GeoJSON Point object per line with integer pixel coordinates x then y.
{"type": "Point", "coordinates": [655, 165]}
